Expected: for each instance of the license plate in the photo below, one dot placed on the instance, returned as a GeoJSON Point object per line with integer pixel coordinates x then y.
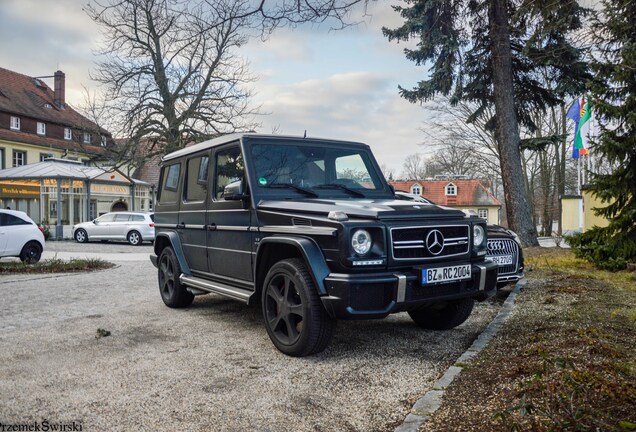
{"type": "Point", "coordinates": [444, 274]}
{"type": "Point", "coordinates": [501, 259]}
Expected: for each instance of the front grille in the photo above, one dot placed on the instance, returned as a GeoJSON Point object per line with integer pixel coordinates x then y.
{"type": "Point", "coordinates": [410, 243]}
{"type": "Point", "coordinates": [499, 247]}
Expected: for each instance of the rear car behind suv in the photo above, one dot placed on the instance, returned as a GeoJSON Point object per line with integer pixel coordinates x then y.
{"type": "Point", "coordinates": [311, 230]}
{"type": "Point", "coordinates": [135, 228]}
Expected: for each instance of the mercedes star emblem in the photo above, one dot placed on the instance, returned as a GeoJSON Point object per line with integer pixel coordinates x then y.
{"type": "Point", "coordinates": [435, 242]}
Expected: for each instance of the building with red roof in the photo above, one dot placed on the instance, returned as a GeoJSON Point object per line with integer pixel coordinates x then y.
{"type": "Point", "coordinates": [473, 195]}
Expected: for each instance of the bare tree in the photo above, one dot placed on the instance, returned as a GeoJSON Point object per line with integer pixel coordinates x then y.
{"type": "Point", "coordinates": [414, 167]}
{"type": "Point", "coordinates": [389, 173]}
{"type": "Point", "coordinates": [170, 70]}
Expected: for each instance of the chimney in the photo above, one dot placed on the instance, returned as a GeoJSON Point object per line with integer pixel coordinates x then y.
{"type": "Point", "coordinates": [59, 88]}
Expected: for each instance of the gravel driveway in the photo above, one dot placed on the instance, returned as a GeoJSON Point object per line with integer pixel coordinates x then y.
{"type": "Point", "coordinates": [210, 367]}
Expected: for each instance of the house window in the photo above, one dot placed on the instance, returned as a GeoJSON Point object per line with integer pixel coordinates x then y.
{"type": "Point", "coordinates": [15, 123]}
{"type": "Point", "coordinates": [87, 138]}
{"type": "Point", "coordinates": [68, 134]}
{"type": "Point", "coordinates": [416, 190]}
{"type": "Point", "coordinates": [483, 213]}
{"type": "Point", "coordinates": [451, 189]}
{"type": "Point", "coordinates": [2, 158]}
{"type": "Point", "coordinates": [44, 156]}
{"type": "Point", "coordinates": [103, 141]}
{"type": "Point", "coordinates": [19, 158]}
{"type": "Point", "coordinates": [41, 128]}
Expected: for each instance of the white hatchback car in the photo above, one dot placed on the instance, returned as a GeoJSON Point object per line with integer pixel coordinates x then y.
{"type": "Point", "coordinates": [20, 237]}
{"type": "Point", "coordinates": [129, 226]}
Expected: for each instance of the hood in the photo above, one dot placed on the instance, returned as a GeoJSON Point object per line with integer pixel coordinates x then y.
{"type": "Point", "coordinates": [364, 208]}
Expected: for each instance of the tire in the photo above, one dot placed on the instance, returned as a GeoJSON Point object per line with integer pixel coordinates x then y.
{"type": "Point", "coordinates": [81, 236]}
{"type": "Point", "coordinates": [173, 293]}
{"type": "Point", "coordinates": [31, 253]}
{"type": "Point", "coordinates": [134, 238]}
{"type": "Point", "coordinates": [295, 319]}
{"type": "Point", "coordinates": [443, 315]}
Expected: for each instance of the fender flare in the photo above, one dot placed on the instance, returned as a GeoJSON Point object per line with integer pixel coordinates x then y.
{"type": "Point", "coordinates": [310, 252]}
{"type": "Point", "coordinates": [175, 243]}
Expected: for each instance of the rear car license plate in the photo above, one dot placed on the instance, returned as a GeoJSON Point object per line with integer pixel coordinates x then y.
{"type": "Point", "coordinates": [501, 259]}
{"type": "Point", "coordinates": [445, 274]}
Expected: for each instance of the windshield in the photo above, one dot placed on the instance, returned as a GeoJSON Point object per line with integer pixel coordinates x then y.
{"type": "Point", "coordinates": [322, 170]}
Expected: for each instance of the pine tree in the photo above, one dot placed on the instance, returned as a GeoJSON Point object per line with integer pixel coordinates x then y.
{"type": "Point", "coordinates": [494, 53]}
{"type": "Point", "coordinates": [614, 99]}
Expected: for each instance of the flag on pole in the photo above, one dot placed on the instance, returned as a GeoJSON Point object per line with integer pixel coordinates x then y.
{"type": "Point", "coordinates": [581, 139]}
{"type": "Point", "coordinates": [580, 113]}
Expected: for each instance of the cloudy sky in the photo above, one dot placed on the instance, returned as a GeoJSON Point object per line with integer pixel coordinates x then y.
{"type": "Point", "coordinates": [334, 84]}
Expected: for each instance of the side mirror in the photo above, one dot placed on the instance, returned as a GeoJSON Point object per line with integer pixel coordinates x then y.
{"type": "Point", "coordinates": [95, 221]}
{"type": "Point", "coordinates": [234, 191]}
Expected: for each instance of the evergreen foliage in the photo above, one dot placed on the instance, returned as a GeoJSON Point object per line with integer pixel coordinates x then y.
{"type": "Point", "coordinates": [614, 99]}
{"type": "Point", "coordinates": [453, 36]}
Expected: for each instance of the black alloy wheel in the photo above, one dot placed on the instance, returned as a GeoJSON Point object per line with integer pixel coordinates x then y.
{"type": "Point", "coordinates": [295, 319]}
{"type": "Point", "coordinates": [31, 253]}
{"type": "Point", "coordinates": [173, 293]}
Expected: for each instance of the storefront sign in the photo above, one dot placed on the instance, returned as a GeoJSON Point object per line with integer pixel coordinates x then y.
{"type": "Point", "coordinates": [19, 191]}
{"type": "Point", "coordinates": [105, 189]}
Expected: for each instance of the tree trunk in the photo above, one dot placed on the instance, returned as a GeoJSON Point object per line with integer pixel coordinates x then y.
{"type": "Point", "coordinates": [507, 129]}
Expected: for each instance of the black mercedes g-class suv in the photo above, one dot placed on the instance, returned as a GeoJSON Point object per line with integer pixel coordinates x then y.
{"type": "Point", "coordinates": [311, 229]}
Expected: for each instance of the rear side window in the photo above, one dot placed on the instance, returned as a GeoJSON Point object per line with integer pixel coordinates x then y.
{"type": "Point", "coordinates": [137, 218]}
{"type": "Point", "coordinates": [196, 186]}
{"type": "Point", "coordinates": [10, 220]}
{"type": "Point", "coordinates": [170, 183]}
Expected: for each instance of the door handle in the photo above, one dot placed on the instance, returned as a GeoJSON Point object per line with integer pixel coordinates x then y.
{"type": "Point", "coordinates": [181, 225]}
{"type": "Point", "coordinates": [210, 227]}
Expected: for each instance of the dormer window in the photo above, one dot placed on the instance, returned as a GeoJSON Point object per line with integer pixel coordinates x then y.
{"type": "Point", "coordinates": [41, 130]}
{"type": "Point", "coordinates": [48, 105]}
{"type": "Point", "coordinates": [416, 189]}
{"type": "Point", "coordinates": [68, 134]}
{"type": "Point", "coordinates": [15, 123]}
{"type": "Point", "coordinates": [103, 141]}
{"type": "Point", "coordinates": [451, 190]}
{"type": "Point", "coordinates": [87, 138]}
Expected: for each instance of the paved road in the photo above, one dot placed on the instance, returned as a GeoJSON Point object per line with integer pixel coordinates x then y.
{"type": "Point", "coordinates": [210, 367]}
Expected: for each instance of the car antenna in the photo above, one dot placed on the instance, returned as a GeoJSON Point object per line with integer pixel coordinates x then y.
{"type": "Point", "coordinates": [305, 136]}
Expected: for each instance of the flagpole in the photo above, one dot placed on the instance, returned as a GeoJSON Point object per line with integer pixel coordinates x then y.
{"type": "Point", "coordinates": [578, 175]}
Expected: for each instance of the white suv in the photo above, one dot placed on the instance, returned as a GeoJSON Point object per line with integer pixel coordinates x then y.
{"type": "Point", "coordinates": [20, 237]}
{"type": "Point", "coordinates": [129, 226]}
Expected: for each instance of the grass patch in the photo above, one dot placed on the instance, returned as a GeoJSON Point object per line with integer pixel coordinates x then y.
{"type": "Point", "coordinates": [564, 361]}
{"type": "Point", "coordinates": [55, 265]}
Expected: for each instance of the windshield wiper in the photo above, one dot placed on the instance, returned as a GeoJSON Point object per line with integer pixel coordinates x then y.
{"type": "Point", "coordinates": [339, 186]}
{"type": "Point", "coordinates": [294, 187]}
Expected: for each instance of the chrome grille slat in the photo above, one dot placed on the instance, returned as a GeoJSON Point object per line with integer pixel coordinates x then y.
{"type": "Point", "coordinates": [408, 243]}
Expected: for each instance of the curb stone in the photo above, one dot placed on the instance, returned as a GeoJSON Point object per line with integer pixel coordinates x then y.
{"type": "Point", "coordinates": [425, 406]}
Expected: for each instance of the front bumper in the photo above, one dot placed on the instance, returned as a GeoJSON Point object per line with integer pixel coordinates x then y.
{"type": "Point", "coordinates": [353, 296]}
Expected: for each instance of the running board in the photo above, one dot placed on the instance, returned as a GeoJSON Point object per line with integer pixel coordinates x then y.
{"type": "Point", "coordinates": [215, 287]}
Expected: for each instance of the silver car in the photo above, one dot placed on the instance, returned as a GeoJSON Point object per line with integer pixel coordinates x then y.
{"type": "Point", "coordinates": [130, 226]}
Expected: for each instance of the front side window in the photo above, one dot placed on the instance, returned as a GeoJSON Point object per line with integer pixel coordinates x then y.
{"type": "Point", "coordinates": [41, 128]}
{"type": "Point", "coordinates": [10, 220]}
{"type": "Point", "coordinates": [108, 217]}
{"type": "Point", "coordinates": [68, 133]}
{"type": "Point", "coordinates": [15, 123]}
{"type": "Point", "coordinates": [122, 218]}
{"type": "Point", "coordinates": [229, 169]}
{"type": "Point", "coordinates": [19, 158]}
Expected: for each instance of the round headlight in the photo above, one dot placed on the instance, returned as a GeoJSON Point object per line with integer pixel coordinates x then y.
{"type": "Point", "coordinates": [478, 235]}
{"type": "Point", "coordinates": [361, 242]}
